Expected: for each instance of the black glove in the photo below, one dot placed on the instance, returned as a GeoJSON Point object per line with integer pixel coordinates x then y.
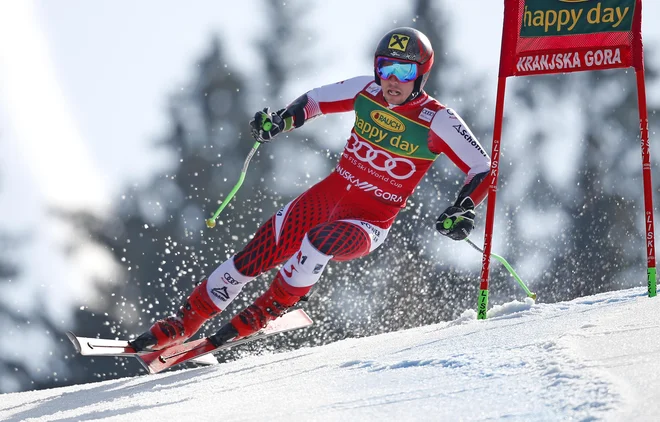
{"type": "Point", "coordinates": [457, 221]}
{"type": "Point", "coordinates": [266, 125]}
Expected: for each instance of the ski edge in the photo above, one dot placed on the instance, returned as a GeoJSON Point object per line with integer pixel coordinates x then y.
{"type": "Point", "coordinates": [74, 340]}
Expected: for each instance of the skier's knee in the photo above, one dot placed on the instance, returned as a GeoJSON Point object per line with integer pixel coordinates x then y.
{"type": "Point", "coordinates": [317, 240]}
{"type": "Point", "coordinates": [342, 240]}
{"type": "Point", "coordinates": [304, 268]}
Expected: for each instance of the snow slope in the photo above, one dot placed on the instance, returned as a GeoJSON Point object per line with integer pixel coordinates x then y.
{"type": "Point", "coordinates": [591, 358]}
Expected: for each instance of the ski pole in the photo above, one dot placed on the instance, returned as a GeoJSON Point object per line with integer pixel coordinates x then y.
{"type": "Point", "coordinates": [507, 266]}
{"type": "Point", "coordinates": [210, 223]}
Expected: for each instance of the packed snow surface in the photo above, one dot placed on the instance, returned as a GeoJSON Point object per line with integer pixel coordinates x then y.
{"type": "Point", "coordinates": [589, 359]}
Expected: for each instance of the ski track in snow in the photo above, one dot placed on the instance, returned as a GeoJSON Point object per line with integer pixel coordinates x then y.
{"type": "Point", "coordinates": [593, 358]}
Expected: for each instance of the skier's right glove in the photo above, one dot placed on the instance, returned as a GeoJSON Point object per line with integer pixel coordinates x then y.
{"type": "Point", "coordinates": [266, 125]}
{"type": "Point", "coordinates": [457, 221]}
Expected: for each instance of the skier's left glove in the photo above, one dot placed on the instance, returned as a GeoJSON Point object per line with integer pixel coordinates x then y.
{"type": "Point", "coordinates": [266, 125]}
{"type": "Point", "coordinates": [457, 221]}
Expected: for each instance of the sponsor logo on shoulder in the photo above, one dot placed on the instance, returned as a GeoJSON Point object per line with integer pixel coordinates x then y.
{"type": "Point", "coordinates": [427, 115]}
{"type": "Point", "coordinates": [468, 137]}
{"type": "Point", "coordinates": [373, 89]}
{"type": "Point", "coordinates": [451, 114]}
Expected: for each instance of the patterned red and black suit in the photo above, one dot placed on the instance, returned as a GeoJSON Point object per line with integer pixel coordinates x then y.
{"type": "Point", "coordinates": [348, 214]}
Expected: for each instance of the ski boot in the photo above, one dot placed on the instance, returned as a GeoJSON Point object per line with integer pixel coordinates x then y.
{"type": "Point", "coordinates": [279, 297]}
{"type": "Point", "coordinates": [178, 328]}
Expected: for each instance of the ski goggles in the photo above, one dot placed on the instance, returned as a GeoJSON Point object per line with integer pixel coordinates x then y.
{"type": "Point", "coordinates": [403, 71]}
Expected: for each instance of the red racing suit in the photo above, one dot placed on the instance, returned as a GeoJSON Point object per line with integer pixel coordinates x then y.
{"type": "Point", "coordinates": [348, 214]}
{"type": "Point", "coordinates": [392, 147]}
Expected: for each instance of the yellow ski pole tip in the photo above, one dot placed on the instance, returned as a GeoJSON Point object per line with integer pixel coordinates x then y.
{"type": "Point", "coordinates": [533, 296]}
{"type": "Point", "coordinates": [210, 223]}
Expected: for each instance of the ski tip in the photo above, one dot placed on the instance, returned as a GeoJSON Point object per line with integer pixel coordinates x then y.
{"type": "Point", "coordinates": [307, 317]}
{"type": "Point", "coordinates": [74, 339]}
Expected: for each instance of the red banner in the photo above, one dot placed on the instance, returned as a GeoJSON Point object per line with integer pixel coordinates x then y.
{"type": "Point", "coordinates": [559, 36]}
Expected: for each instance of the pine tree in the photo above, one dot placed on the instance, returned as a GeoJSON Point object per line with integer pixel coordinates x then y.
{"type": "Point", "coordinates": [18, 372]}
{"type": "Point", "coordinates": [14, 373]}
{"type": "Point", "coordinates": [157, 233]}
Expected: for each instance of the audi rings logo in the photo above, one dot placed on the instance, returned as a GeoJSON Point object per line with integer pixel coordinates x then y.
{"type": "Point", "coordinates": [229, 279]}
{"type": "Point", "coordinates": [397, 167]}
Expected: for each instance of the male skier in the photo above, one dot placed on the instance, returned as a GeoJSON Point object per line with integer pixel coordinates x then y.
{"type": "Point", "coordinates": [399, 131]}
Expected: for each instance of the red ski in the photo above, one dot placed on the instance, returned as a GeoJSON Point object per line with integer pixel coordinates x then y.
{"type": "Point", "coordinates": [160, 360]}
{"type": "Point", "coordinates": [89, 346]}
